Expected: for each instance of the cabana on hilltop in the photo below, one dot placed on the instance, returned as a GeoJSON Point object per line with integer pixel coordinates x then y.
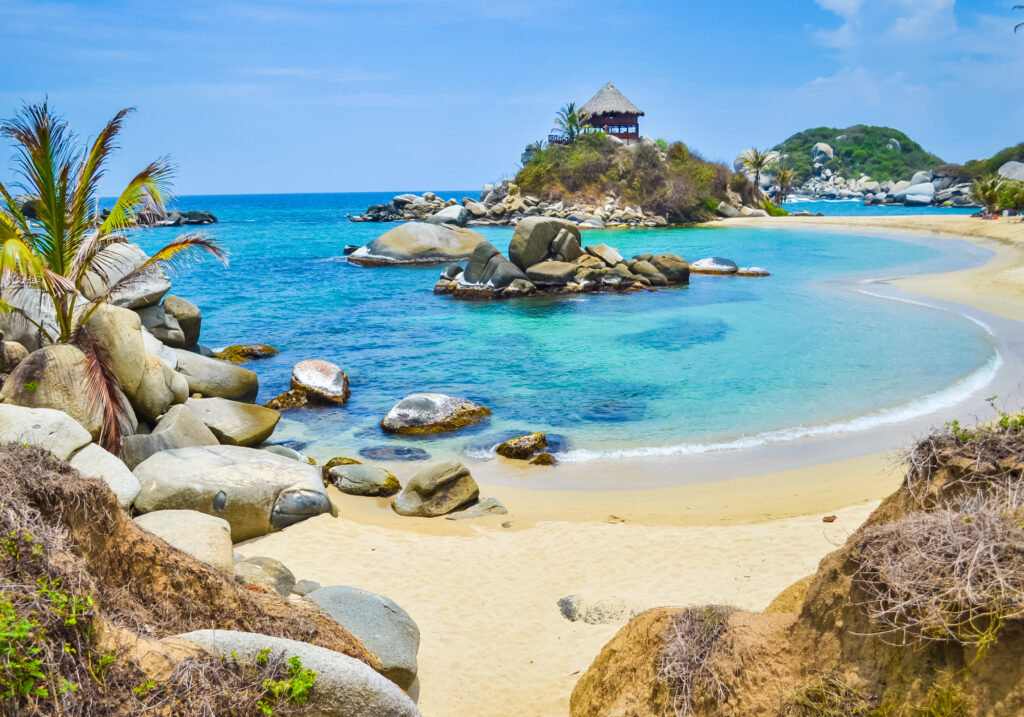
{"type": "Point", "coordinates": [610, 112]}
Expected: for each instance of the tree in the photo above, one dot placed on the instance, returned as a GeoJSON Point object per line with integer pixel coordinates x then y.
{"type": "Point", "coordinates": [758, 161]}
{"type": "Point", "coordinates": [986, 192]}
{"type": "Point", "coordinates": [784, 179]}
{"type": "Point", "coordinates": [62, 247]}
{"type": "Point", "coordinates": [571, 121]}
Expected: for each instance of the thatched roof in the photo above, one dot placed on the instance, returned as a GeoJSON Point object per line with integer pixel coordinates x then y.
{"type": "Point", "coordinates": [609, 101]}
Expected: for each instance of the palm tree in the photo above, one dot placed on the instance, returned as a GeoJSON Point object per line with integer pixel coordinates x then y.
{"type": "Point", "coordinates": [63, 245]}
{"type": "Point", "coordinates": [758, 161]}
{"type": "Point", "coordinates": [571, 121]}
{"type": "Point", "coordinates": [784, 179]}
{"type": "Point", "coordinates": [986, 192]}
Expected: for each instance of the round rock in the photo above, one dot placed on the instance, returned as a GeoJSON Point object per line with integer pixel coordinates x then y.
{"type": "Point", "coordinates": [321, 380]}
{"type": "Point", "coordinates": [425, 413]}
{"type": "Point", "coordinates": [714, 265]}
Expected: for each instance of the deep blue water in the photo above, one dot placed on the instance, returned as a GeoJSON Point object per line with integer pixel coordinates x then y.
{"type": "Point", "coordinates": [722, 360]}
{"type": "Point", "coordinates": [856, 207]}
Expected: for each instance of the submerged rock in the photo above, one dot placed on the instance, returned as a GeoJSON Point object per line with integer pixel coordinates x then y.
{"type": "Point", "coordinates": [424, 413]}
{"type": "Point", "coordinates": [437, 490]}
{"type": "Point", "coordinates": [394, 453]}
{"type": "Point", "coordinates": [418, 243]}
{"type": "Point", "coordinates": [714, 265]}
{"type": "Point", "coordinates": [522, 447]}
{"type": "Point", "coordinates": [543, 459]}
{"type": "Point", "coordinates": [243, 353]}
{"type": "Point", "coordinates": [752, 271]}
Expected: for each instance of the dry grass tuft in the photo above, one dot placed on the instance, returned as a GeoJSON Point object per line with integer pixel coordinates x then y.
{"type": "Point", "coordinates": [687, 658]}
{"type": "Point", "coordinates": [827, 695]}
{"type": "Point", "coordinates": [952, 574]}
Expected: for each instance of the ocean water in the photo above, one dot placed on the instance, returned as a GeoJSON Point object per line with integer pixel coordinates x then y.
{"type": "Point", "coordinates": [726, 361]}
{"type": "Point", "coordinates": [856, 207]}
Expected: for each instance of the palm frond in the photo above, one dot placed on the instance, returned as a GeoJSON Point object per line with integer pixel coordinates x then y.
{"type": "Point", "coordinates": [151, 185]}
{"type": "Point", "coordinates": [103, 390]}
{"type": "Point", "coordinates": [13, 210]}
{"type": "Point", "coordinates": [92, 169]}
{"type": "Point", "coordinates": [17, 258]}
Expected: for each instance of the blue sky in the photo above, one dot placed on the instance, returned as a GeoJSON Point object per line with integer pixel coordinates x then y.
{"type": "Point", "coordinates": [344, 95]}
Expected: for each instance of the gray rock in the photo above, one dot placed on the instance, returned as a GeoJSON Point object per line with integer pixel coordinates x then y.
{"type": "Point", "coordinates": [305, 587]}
{"type": "Point", "coordinates": [288, 452]}
{"type": "Point", "coordinates": [344, 687]}
{"type": "Point", "coordinates": [714, 265]}
{"type": "Point", "coordinates": [94, 462]}
{"type": "Point", "coordinates": [178, 428]}
{"type": "Point", "coordinates": [361, 479]}
{"type": "Point", "coordinates": [476, 209]}
{"type": "Point", "coordinates": [551, 273]}
{"type": "Point", "coordinates": [49, 429]}
{"type": "Point", "coordinates": [646, 268]}
{"type": "Point", "coordinates": [255, 491]}
{"type": "Point", "coordinates": [576, 608]}
{"type": "Point", "coordinates": [384, 628]}
{"type": "Point", "coordinates": [282, 579]}
{"type": "Point", "coordinates": [249, 574]}
{"type": "Point", "coordinates": [418, 243]}
{"type": "Point", "coordinates": [532, 240]}
{"type": "Point", "coordinates": [117, 261]}
{"type": "Point", "coordinates": [320, 381]}
{"type": "Point", "coordinates": [480, 509]}
{"type": "Point", "coordinates": [204, 537]}
{"type": "Point", "coordinates": [188, 316]}
{"type": "Point", "coordinates": [437, 490]}
{"type": "Point", "coordinates": [450, 215]}
{"type": "Point", "coordinates": [675, 269]}
{"type": "Point", "coordinates": [822, 152]}
{"type": "Point", "coordinates": [921, 178]}
{"type": "Point", "coordinates": [488, 267]}
{"type": "Point", "coordinates": [425, 413]}
{"type": "Point", "coordinates": [234, 423]}
{"type": "Point", "coordinates": [752, 271]}
{"type": "Point", "coordinates": [37, 306]}
{"type": "Point", "coordinates": [213, 377]}
{"type": "Point", "coordinates": [162, 325]}
{"type": "Point", "coordinates": [452, 271]}
{"type": "Point", "coordinates": [728, 210]}
{"type": "Point", "coordinates": [605, 253]}
{"type": "Point", "coordinates": [1013, 171]}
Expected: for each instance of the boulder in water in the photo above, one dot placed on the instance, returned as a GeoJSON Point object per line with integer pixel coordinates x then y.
{"type": "Point", "coordinates": [714, 265]}
{"type": "Point", "coordinates": [418, 243]}
{"type": "Point", "coordinates": [425, 413]}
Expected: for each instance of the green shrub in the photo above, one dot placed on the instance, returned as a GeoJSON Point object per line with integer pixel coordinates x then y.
{"type": "Point", "coordinates": [773, 210]}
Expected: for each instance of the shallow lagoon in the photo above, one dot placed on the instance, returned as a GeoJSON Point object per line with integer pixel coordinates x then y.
{"type": "Point", "coordinates": [724, 361]}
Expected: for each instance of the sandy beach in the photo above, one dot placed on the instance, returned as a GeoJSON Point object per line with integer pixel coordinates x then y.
{"type": "Point", "coordinates": [484, 593]}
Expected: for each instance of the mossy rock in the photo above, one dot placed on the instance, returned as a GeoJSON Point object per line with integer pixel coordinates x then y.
{"type": "Point", "coordinates": [338, 461]}
{"type": "Point", "coordinates": [246, 352]}
{"type": "Point", "coordinates": [522, 447]}
{"type": "Point", "coordinates": [543, 459]}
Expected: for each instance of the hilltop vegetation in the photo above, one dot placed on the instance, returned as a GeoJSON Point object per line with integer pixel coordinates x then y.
{"type": "Point", "coordinates": [979, 168]}
{"type": "Point", "coordinates": [861, 148]}
{"type": "Point", "coordinates": [667, 180]}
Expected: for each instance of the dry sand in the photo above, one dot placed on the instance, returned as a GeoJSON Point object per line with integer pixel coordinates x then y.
{"type": "Point", "coordinates": [485, 595]}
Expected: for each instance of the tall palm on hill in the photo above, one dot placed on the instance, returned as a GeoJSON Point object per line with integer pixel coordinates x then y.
{"type": "Point", "coordinates": [571, 121]}
{"type": "Point", "coordinates": [759, 161]}
{"type": "Point", "coordinates": [61, 247]}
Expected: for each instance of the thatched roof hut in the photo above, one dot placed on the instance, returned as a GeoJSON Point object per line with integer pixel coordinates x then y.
{"type": "Point", "coordinates": [610, 111]}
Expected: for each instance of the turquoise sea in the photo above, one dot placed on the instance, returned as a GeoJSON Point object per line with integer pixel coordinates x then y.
{"type": "Point", "coordinates": [725, 361]}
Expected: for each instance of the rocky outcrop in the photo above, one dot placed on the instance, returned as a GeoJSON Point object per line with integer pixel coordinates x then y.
{"type": "Point", "coordinates": [427, 413]}
{"type": "Point", "coordinates": [255, 491]}
{"type": "Point", "coordinates": [384, 628]}
{"type": "Point", "coordinates": [215, 378]}
{"type": "Point", "coordinates": [344, 687]}
{"type": "Point", "coordinates": [205, 537]}
{"type": "Point", "coordinates": [436, 490]}
{"type": "Point", "coordinates": [416, 243]}
{"type": "Point", "coordinates": [188, 316]}
{"type": "Point", "coordinates": [1013, 171]}
{"type": "Point", "coordinates": [117, 261]}
{"type": "Point", "coordinates": [538, 239]}
{"type": "Point", "coordinates": [235, 423]}
{"type": "Point", "coordinates": [314, 381]}
{"type": "Point", "coordinates": [178, 428]}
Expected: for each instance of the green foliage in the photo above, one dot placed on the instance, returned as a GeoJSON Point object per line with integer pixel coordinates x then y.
{"type": "Point", "coordinates": [682, 187]}
{"type": "Point", "coordinates": [662, 144]}
{"type": "Point", "coordinates": [21, 673]}
{"type": "Point", "coordinates": [986, 192]}
{"type": "Point", "coordinates": [1004, 422]}
{"type": "Point", "coordinates": [31, 386]}
{"type": "Point", "coordinates": [571, 121]}
{"type": "Point", "coordinates": [295, 689]}
{"type": "Point", "coordinates": [861, 148]}
{"type": "Point", "coordinates": [1011, 195]}
{"type": "Point", "coordinates": [978, 168]}
{"type": "Point", "coordinates": [145, 688]}
{"type": "Point", "coordinates": [773, 210]}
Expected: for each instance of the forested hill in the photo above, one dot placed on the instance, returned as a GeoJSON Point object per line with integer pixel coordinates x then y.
{"type": "Point", "coordinates": [880, 152]}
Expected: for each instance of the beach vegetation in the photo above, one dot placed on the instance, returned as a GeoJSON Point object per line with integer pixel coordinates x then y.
{"type": "Point", "coordinates": [828, 695]}
{"type": "Point", "coordinates": [686, 663]}
{"type": "Point", "coordinates": [987, 192]}
{"type": "Point", "coordinates": [61, 248]}
{"type": "Point", "coordinates": [866, 149]}
{"type": "Point", "coordinates": [784, 180]}
{"type": "Point", "coordinates": [1011, 195]}
{"type": "Point", "coordinates": [979, 168]}
{"type": "Point", "coordinates": [773, 209]}
{"type": "Point", "coordinates": [677, 184]}
{"type": "Point", "coordinates": [759, 161]}
{"type": "Point", "coordinates": [571, 120]}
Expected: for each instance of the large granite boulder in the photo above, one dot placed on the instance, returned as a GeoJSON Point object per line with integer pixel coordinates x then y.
{"type": "Point", "coordinates": [551, 273]}
{"type": "Point", "coordinates": [314, 381]}
{"type": "Point", "coordinates": [916, 194]}
{"type": "Point", "coordinates": [450, 215]}
{"type": "Point", "coordinates": [418, 243]}
{"type": "Point", "coordinates": [113, 263]}
{"type": "Point", "coordinates": [204, 537]}
{"type": "Point", "coordinates": [119, 332]}
{"type": "Point", "coordinates": [188, 316]}
{"type": "Point", "coordinates": [384, 628]}
{"type": "Point", "coordinates": [425, 413]}
{"type": "Point", "coordinates": [605, 253]}
{"type": "Point", "coordinates": [94, 462]}
{"type": "Point", "coordinates": [533, 239]}
{"type": "Point", "coordinates": [359, 479]}
{"type": "Point", "coordinates": [178, 428]}
{"type": "Point", "coordinates": [162, 324]}
{"type": "Point", "coordinates": [647, 269]}
{"type": "Point", "coordinates": [235, 423]}
{"type": "Point", "coordinates": [674, 268]}
{"type": "Point", "coordinates": [437, 490]}
{"type": "Point", "coordinates": [255, 491]}
{"type": "Point", "coordinates": [46, 428]}
{"type": "Point", "coordinates": [11, 354]}
{"type": "Point", "coordinates": [1013, 171]}
{"type": "Point", "coordinates": [220, 379]}
{"type": "Point", "coordinates": [488, 267]}
{"type": "Point", "coordinates": [160, 388]}
{"type": "Point", "coordinates": [37, 306]}
{"type": "Point", "coordinates": [821, 153]}
{"type": "Point", "coordinates": [55, 377]}
{"type": "Point", "coordinates": [344, 686]}
{"type": "Point", "coordinates": [714, 265]}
